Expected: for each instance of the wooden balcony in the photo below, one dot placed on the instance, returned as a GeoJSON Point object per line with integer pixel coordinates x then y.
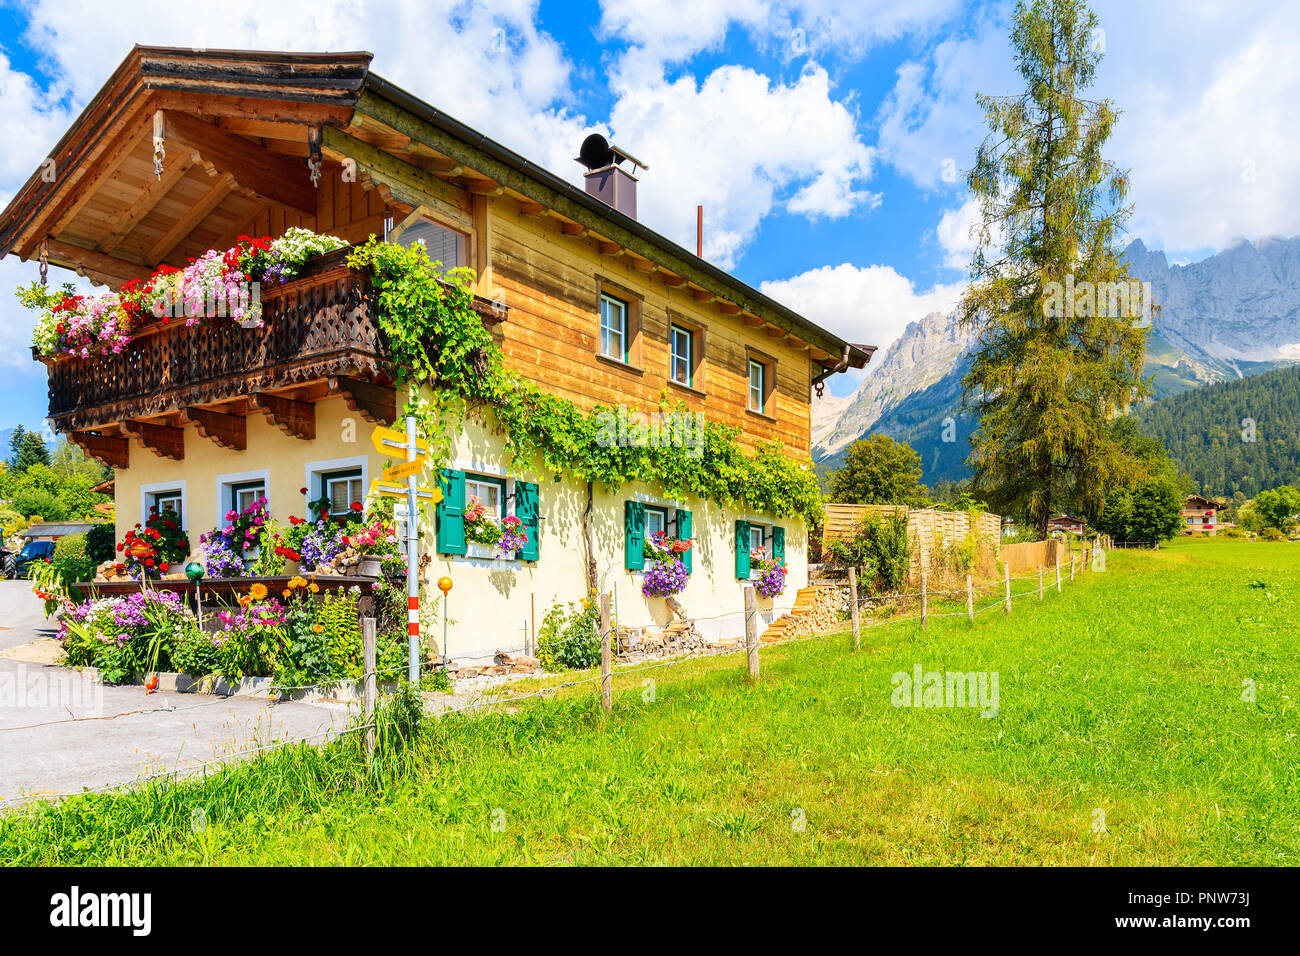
{"type": "Point", "coordinates": [320, 337]}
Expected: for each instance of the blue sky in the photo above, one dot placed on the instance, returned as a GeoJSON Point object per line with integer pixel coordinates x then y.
{"type": "Point", "coordinates": [826, 141]}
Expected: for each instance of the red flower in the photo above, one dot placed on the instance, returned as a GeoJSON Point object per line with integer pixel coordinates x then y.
{"type": "Point", "coordinates": [164, 567]}
{"type": "Point", "coordinates": [295, 520]}
{"type": "Point", "coordinates": [302, 490]}
{"type": "Point", "coordinates": [356, 506]}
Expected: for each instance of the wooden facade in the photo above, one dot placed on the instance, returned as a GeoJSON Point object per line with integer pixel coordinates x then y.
{"type": "Point", "coordinates": [183, 151]}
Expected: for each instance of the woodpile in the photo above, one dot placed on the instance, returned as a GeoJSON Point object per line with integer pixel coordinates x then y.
{"type": "Point", "coordinates": [503, 663]}
{"type": "Point", "coordinates": [816, 609]}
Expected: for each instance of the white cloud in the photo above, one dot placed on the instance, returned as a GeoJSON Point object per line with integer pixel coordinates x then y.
{"type": "Point", "coordinates": [741, 145]}
{"type": "Point", "coordinates": [1207, 94]}
{"type": "Point", "coordinates": [869, 305]}
{"type": "Point", "coordinates": [957, 233]}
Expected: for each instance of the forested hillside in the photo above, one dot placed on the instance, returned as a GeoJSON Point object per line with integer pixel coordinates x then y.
{"type": "Point", "coordinates": [1241, 435]}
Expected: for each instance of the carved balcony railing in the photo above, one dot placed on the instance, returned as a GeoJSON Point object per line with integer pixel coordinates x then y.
{"type": "Point", "coordinates": [321, 325]}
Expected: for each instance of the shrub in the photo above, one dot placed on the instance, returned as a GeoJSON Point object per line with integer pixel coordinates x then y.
{"type": "Point", "coordinates": [890, 549]}
{"type": "Point", "coordinates": [99, 544]}
{"type": "Point", "coordinates": [71, 560]}
{"type": "Point", "coordinates": [1272, 534]}
{"type": "Point", "coordinates": [568, 637]}
{"type": "Point", "coordinates": [37, 501]}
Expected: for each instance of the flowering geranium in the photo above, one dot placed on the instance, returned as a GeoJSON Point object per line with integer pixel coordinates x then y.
{"type": "Point", "coordinates": [513, 536]}
{"type": "Point", "coordinates": [153, 549]}
{"type": "Point", "coordinates": [225, 548]}
{"type": "Point", "coordinates": [664, 578]}
{"type": "Point", "coordinates": [75, 324]}
{"type": "Point", "coordinates": [771, 572]}
{"type": "Point", "coordinates": [376, 539]}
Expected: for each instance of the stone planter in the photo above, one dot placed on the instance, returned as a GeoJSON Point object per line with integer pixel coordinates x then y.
{"type": "Point", "coordinates": [369, 566]}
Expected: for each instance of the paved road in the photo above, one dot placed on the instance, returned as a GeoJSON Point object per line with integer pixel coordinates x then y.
{"type": "Point", "coordinates": [45, 751]}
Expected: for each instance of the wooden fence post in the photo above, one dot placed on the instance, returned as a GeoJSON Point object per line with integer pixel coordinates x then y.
{"type": "Point", "coordinates": [1073, 559]}
{"type": "Point", "coordinates": [606, 665]}
{"type": "Point", "coordinates": [751, 631]}
{"type": "Point", "coordinates": [924, 616]}
{"type": "Point", "coordinates": [1006, 582]}
{"type": "Point", "coordinates": [853, 608]}
{"type": "Point", "coordinates": [970, 600]}
{"type": "Point", "coordinates": [1058, 572]}
{"type": "Point", "coordinates": [368, 685]}
{"type": "Point", "coordinates": [1040, 582]}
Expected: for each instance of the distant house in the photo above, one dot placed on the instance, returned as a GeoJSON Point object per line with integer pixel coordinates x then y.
{"type": "Point", "coordinates": [1009, 528]}
{"type": "Point", "coordinates": [1066, 524]}
{"type": "Point", "coordinates": [1200, 515]}
{"type": "Point", "coordinates": [53, 531]}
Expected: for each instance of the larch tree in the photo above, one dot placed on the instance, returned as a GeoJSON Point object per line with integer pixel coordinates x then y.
{"type": "Point", "coordinates": [1059, 324]}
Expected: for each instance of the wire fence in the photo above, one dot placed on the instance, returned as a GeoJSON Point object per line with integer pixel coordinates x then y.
{"type": "Point", "coordinates": [485, 701]}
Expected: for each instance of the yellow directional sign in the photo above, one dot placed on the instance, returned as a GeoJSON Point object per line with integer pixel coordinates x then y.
{"type": "Point", "coordinates": [405, 469]}
{"type": "Point", "coordinates": [392, 490]}
{"type": "Point", "coordinates": [391, 442]}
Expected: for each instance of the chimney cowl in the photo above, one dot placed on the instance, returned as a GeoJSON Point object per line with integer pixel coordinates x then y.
{"type": "Point", "coordinates": [606, 179]}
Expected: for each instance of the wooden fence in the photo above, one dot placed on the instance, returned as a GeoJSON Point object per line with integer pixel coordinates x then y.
{"type": "Point", "coordinates": [930, 529]}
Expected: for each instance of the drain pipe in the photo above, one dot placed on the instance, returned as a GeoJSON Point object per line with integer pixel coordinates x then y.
{"type": "Point", "coordinates": [843, 364]}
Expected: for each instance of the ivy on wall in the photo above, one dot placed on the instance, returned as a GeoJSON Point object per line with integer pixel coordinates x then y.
{"type": "Point", "coordinates": [438, 340]}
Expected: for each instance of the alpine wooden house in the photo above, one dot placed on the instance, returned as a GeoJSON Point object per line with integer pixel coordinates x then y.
{"type": "Point", "coordinates": [181, 152]}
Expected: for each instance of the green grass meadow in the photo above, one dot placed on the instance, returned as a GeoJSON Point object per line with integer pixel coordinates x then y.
{"type": "Point", "coordinates": [1120, 703]}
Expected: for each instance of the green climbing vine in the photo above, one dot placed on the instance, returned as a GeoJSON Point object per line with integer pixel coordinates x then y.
{"type": "Point", "coordinates": [438, 340]}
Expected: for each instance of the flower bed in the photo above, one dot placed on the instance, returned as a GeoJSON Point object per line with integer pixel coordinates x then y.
{"type": "Point", "coordinates": [305, 632]}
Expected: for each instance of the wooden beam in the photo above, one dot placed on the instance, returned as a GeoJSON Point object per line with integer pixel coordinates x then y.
{"type": "Point", "coordinates": [163, 440]}
{"type": "Point", "coordinates": [484, 187]}
{"type": "Point", "coordinates": [672, 280]}
{"type": "Point", "coordinates": [606, 248]}
{"type": "Point", "coordinates": [572, 228]}
{"type": "Point", "coordinates": [532, 208]}
{"type": "Point", "coordinates": [113, 452]}
{"type": "Point", "coordinates": [295, 419]}
{"type": "Point", "coordinates": [753, 321]}
{"type": "Point", "coordinates": [377, 403]}
{"type": "Point", "coordinates": [82, 260]}
{"type": "Point", "coordinates": [174, 236]}
{"type": "Point", "coordinates": [173, 172]}
{"type": "Point", "coordinates": [702, 295]}
{"type": "Point", "coordinates": [227, 431]}
{"type": "Point", "coordinates": [268, 174]}
{"type": "Point", "coordinates": [728, 308]}
{"type": "Point", "coordinates": [102, 171]}
{"type": "Point", "coordinates": [642, 265]}
{"type": "Point", "coordinates": [776, 333]}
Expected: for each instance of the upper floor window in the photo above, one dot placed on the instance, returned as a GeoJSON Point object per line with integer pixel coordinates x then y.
{"type": "Point", "coordinates": [444, 245]}
{"type": "Point", "coordinates": [656, 521]}
{"type": "Point", "coordinates": [244, 493]}
{"type": "Point", "coordinates": [757, 385]}
{"type": "Point", "coordinates": [613, 328]}
{"type": "Point", "coordinates": [490, 492]}
{"type": "Point", "coordinates": [683, 356]}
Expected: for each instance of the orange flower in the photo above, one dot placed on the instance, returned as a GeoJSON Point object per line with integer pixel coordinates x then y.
{"type": "Point", "coordinates": [258, 591]}
{"type": "Point", "coordinates": [286, 592]}
{"type": "Point", "coordinates": [314, 587]}
{"type": "Point", "coordinates": [318, 628]}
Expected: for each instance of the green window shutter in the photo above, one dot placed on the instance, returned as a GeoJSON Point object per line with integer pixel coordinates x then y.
{"type": "Point", "coordinates": [634, 535]}
{"type": "Point", "coordinates": [778, 544]}
{"type": "Point", "coordinates": [451, 513]}
{"type": "Point", "coordinates": [684, 531]}
{"type": "Point", "coordinates": [742, 549]}
{"type": "Point", "coordinates": [526, 510]}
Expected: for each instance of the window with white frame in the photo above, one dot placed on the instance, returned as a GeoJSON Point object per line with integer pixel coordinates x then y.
{"type": "Point", "coordinates": [244, 493]}
{"type": "Point", "coordinates": [171, 501]}
{"type": "Point", "coordinates": [757, 385]}
{"type": "Point", "coordinates": [656, 521]}
{"type": "Point", "coordinates": [683, 356]}
{"type": "Point", "coordinates": [443, 244]}
{"type": "Point", "coordinates": [613, 328]}
{"type": "Point", "coordinates": [343, 490]}
{"type": "Point", "coordinates": [491, 492]}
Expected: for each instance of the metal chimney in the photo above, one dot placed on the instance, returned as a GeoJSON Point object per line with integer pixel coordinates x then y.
{"type": "Point", "coordinates": [606, 178]}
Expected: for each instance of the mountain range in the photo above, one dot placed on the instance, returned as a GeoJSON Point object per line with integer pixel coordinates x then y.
{"type": "Point", "coordinates": [1234, 314]}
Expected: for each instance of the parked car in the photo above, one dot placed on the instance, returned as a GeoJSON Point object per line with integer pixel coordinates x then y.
{"type": "Point", "coordinates": [32, 551]}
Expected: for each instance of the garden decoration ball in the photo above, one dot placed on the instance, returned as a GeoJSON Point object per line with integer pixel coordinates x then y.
{"type": "Point", "coordinates": [444, 584]}
{"type": "Point", "coordinates": [194, 571]}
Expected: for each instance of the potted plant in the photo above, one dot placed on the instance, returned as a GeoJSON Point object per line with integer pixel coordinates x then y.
{"type": "Point", "coordinates": [482, 534]}
{"type": "Point", "coordinates": [374, 542]}
{"type": "Point", "coordinates": [768, 573]}
{"type": "Point", "coordinates": [667, 575]}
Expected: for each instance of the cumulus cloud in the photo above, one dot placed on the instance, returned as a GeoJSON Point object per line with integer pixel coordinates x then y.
{"type": "Point", "coordinates": [869, 305]}
{"type": "Point", "coordinates": [1207, 94]}
{"type": "Point", "coordinates": [741, 145]}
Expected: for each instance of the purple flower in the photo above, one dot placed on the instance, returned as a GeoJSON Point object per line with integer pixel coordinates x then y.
{"type": "Point", "coordinates": [664, 578]}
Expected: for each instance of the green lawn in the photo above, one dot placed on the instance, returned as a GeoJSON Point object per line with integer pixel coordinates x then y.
{"type": "Point", "coordinates": [1122, 695]}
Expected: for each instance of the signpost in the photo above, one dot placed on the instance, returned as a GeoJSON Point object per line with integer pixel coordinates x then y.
{"type": "Point", "coordinates": [416, 452]}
